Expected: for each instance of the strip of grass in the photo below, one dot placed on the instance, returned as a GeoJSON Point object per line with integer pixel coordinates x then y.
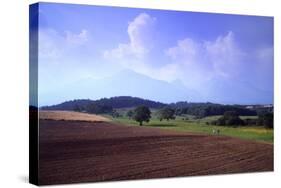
{"type": "Point", "coordinates": [199, 126]}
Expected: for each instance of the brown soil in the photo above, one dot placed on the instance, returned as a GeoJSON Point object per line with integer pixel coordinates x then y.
{"type": "Point", "coordinates": [73, 151]}
{"type": "Point", "coordinates": [70, 116]}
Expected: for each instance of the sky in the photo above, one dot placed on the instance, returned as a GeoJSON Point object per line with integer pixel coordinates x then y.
{"type": "Point", "coordinates": [200, 56]}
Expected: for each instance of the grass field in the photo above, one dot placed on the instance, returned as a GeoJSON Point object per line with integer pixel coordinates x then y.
{"type": "Point", "coordinates": [199, 125]}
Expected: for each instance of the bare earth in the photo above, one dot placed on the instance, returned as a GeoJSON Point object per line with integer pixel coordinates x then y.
{"type": "Point", "coordinates": [73, 151]}
{"type": "Point", "coordinates": [70, 116]}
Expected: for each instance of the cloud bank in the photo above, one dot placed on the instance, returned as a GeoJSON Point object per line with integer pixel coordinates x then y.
{"type": "Point", "coordinates": [207, 66]}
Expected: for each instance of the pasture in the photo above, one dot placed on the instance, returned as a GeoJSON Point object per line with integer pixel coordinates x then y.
{"type": "Point", "coordinates": [188, 123]}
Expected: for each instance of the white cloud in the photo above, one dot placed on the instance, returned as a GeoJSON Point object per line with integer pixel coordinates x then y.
{"type": "Point", "coordinates": [265, 54]}
{"type": "Point", "coordinates": [48, 44]}
{"type": "Point", "coordinates": [140, 33]}
{"type": "Point", "coordinates": [221, 63]}
{"type": "Point", "coordinates": [220, 56]}
{"type": "Point", "coordinates": [187, 50]}
{"type": "Point", "coordinates": [225, 55]}
{"type": "Point", "coordinates": [77, 39]}
{"type": "Point", "coordinates": [190, 59]}
{"type": "Point", "coordinates": [195, 63]}
{"type": "Point", "coordinates": [264, 68]}
{"type": "Point", "coordinates": [53, 44]}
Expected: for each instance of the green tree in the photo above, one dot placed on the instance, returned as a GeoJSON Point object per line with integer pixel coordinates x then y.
{"type": "Point", "coordinates": [166, 113]}
{"type": "Point", "coordinates": [130, 114]}
{"type": "Point", "coordinates": [230, 118]}
{"type": "Point", "coordinates": [266, 119]}
{"type": "Point", "coordinates": [115, 114]}
{"type": "Point", "coordinates": [142, 114]}
{"type": "Point", "coordinates": [77, 108]}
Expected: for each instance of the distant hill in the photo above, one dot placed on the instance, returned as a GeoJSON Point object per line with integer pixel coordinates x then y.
{"type": "Point", "coordinates": [104, 103]}
{"type": "Point", "coordinates": [107, 105]}
{"type": "Point", "coordinates": [128, 102]}
{"type": "Point", "coordinates": [69, 105]}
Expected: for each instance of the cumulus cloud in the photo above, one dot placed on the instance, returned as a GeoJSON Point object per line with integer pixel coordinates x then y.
{"type": "Point", "coordinates": [221, 64]}
{"type": "Point", "coordinates": [53, 44]}
{"type": "Point", "coordinates": [189, 59]}
{"type": "Point", "coordinates": [265, 54]}
{"type": "Point", "coordinates": [225, 55]}
{"type": "Point", "coordinates": [48, 43]}
{"type": "Point", "coordinates": [204, 59]}
{"type": "Point", "coordinates": [186, 49]}
{"type": "Point", "coordinates": [205, 66]}
{"type": "Point", "coordinates": [77, 39]}
{"type": "Point", "coordinates": [140, 33]}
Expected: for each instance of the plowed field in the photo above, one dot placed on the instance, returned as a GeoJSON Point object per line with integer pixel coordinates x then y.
{"type": "Point", "coordinates": [78, 151]}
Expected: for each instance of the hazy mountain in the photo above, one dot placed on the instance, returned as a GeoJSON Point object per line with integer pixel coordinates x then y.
{"type": "Point", "coordinates": [124, 83]}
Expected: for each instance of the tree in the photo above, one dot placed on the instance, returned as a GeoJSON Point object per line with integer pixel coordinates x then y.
{"type": "Point", "coordinates": [77, 108]}
{"type": "Point", "coordinates": [166, 113]}
{"type": "Point", "coordinates": [130, 114]}
{"type": "Point", "coordinates": [230, 118]}
{"type": "Point", "coordinates": [115, 114]}
{"type": "Point", "coordinates": [142, 114]}
{"type": "Point", "coordinates": [99, 109]}
{"type": "Point", "coordinates": [266, 119]}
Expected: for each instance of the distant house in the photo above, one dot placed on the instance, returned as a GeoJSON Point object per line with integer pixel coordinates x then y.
{"type": "Point", "coordinates": [268, 106]}
{"type": "Point", "coordinates": [249, 107]}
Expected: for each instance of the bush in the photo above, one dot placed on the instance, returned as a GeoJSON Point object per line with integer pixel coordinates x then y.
{"type": "Point", "coordinates": [230, 118]}
{"type": "Point", "coordinates": [266, 120]}
{"type": "Point", "coordinates": [249, 121]}
{"type": "Point", "coordinates": [166, 113]}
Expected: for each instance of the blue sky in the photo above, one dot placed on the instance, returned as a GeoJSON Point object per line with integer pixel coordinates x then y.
{"type": "Point", "coordinates": [213, 57]}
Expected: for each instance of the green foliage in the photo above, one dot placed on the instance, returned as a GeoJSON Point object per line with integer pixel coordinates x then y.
{"type": "Point", "coordinates": [93, 106]}
{"type": "Point", "coordinates": [230, 118]}
{"type": "Point", "coordinates": [166, 113]}
{"type": "Point", "coordinates": [98, 109]}
{"type": "Point", "coordinates": [115, 114]}
{"type": "Point", "coordinates": [130, 114]}
{"type": "Point", "coordinates": [266, 120]}
{"type": "Point", "coordinates": [78, 108]}
{"type": "Point", "coordinates": [209, 109]}
{"type": "Point", "coordinates": [142, 114]}
{"type": "Point", "coordinates": [250, 121]}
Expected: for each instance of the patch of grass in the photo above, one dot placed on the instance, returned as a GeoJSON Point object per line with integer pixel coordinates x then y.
{"type": "Point", "coordinates": [199, 126]}
{"type": "Point", "coordinates": [249, 117]}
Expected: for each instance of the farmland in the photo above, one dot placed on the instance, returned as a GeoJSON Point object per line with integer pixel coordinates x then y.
{"type": "Point", "coordinates": [86, 150]}
{"type": "Point", "coordinates": [70, 116]}
{"type": "Point", "coordinates": [80, 151]}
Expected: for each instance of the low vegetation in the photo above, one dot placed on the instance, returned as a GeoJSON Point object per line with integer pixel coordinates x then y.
{"type": "Point", "coordinates": [229, 118]}
{"type": "Point", "coordinates": [229, 124]}
{"type": "Point", "coordinates": [166, 113]}
{"type": "Point", "coordinates": [248, 122]}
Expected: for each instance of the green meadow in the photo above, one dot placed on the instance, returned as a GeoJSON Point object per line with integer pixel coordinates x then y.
{"type": "Point", "coordinates": [190, 124]}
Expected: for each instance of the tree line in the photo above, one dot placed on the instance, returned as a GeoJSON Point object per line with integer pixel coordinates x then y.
{"type": "Point", "coordinates": [209, 109]}
{"type": "Point", "coordinates": [230, 118]}
{"type": "Point", "coordinates": [169, 111]}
